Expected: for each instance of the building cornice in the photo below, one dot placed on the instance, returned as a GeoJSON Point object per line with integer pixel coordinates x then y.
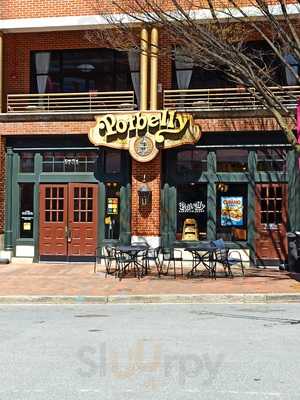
{"type": "Point", "coordinates": [83, 22]}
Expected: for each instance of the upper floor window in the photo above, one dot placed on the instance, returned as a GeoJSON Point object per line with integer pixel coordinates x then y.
{"type": "Point", "coordinates": [188, 75]}
{"type": "Point", "coordinates": [80, 71]}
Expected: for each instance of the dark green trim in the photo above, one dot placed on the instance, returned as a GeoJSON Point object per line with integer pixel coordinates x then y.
{"type": "Point", "coordinates": [8, 233]}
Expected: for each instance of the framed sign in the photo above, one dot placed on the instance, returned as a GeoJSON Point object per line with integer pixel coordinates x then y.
{"type": "Point", "coordinates": [232, 211]}
{"type": "Point", "coordinates": [144, 133]}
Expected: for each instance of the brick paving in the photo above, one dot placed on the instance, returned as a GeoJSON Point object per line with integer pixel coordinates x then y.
{"type": "Point", "coordinates": [80, 280]}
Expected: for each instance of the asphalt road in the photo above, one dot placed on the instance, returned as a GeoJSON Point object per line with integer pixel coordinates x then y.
{"type": "Point", "coordinates": [150, 352]}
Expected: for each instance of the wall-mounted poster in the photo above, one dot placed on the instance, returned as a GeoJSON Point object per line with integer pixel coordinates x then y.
{"type": "Point", "coordinates": [232, 211]}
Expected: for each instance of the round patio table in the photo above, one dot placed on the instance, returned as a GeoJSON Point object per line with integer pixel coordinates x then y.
{"type": "Point", "coordinates": [133, 251]}
{"type": "Point", "coordinates": [203, 254]}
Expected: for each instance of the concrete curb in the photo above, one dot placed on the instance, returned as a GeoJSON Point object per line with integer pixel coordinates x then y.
{"type": "Point", "coordinates": [236, 298]}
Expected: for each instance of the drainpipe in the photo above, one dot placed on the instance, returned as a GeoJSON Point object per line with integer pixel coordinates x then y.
{"type": "Point", "coordinates": [154, 69]}
{"type": "Point", "coordinates": [144, 70]}
{"type": "Point", "coordinates": [1, 72]}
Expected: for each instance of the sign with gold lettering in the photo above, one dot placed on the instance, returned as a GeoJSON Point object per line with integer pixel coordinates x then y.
{"type": "Point", "coordinates": [144, 133]}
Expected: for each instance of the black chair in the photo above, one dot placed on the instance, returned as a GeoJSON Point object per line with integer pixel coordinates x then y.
{"type": "Point", "coordinates": [171, 255]}
{"type": "Point", "coordinates": [107, 255]}
{"type": "Point", "coordinates": [152, 255]}
{"type": "Point", "coordinates": [224, 257]}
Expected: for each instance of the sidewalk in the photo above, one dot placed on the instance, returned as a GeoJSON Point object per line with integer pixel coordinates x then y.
{"type": "Point", "coordinates": [80, 281]}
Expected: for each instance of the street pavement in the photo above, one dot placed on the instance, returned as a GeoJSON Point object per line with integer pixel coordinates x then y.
{"type": "Point", "coordinates": [150, 351]}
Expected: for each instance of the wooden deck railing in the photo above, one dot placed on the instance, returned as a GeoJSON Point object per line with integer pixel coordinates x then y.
{"type": "Point", "coordinates": [87, 102]}
{"type": "Point", "coordinates": [225, 99]}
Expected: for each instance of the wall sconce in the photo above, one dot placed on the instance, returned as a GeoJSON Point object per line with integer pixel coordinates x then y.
{"type": "Point", "coordinates": [222, 187]}
{"type": "Point", "coordinates": [144, 193]}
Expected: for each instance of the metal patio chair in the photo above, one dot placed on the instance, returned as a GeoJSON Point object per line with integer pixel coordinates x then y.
{"type": "Point", "coordinates": [152, 255]}
{"type": "Point", "coordinates": [106, 254]}
{"type": "Point", "coordinates": [224, 257]}
{"type": "Point", "coordinates": [171, 255]}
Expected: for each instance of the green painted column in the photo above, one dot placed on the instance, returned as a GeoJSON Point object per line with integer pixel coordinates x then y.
{"type": "Point", "coordinates": [251, 205]}
{"type": "Point", "coordinates": [125, 214]}
{"type": "Point", "coordinates": [211, 196]}
{"type": "Point", "coordinates": [292, 191]}
{"type": "Point", "coordinates": [8, 233]}
{"type": "Point", "coordinates": [38, 159]}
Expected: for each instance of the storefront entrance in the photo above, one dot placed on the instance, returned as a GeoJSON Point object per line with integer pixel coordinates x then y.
{"type": "Point", "coordinates": [68, 221]}
{"type": "Point", "coordinates": [271, 223]}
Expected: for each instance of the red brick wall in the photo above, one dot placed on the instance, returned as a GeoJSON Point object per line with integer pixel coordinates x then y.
{"type": "Point", "coordinates": [2, 182]}
{"type": "Point", "coordinates": [145, 220]}
{"type": "Point", "coordinates": [57, 8]}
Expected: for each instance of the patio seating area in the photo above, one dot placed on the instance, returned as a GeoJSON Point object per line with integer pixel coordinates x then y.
{"type": "Point", "coordinates": [138, 260]}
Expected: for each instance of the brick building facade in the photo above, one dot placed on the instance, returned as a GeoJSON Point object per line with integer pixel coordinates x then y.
{"type": "Point", "coordinates": [55, 81]}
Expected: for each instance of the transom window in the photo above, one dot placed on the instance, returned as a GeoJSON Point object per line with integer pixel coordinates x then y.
{"type": "Point", "coordinates": [232, 160]}
{"type": "Point", "coordinates": [56, 161]}
{"type": "Point", "coordinates": [80, 71]}
{"type": "Point", "coordinates": [271, 160]}
{"type": "Point", "coordinates": [192, 161]}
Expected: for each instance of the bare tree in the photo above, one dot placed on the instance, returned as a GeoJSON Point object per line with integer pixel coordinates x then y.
{"type": "Point", "coordinates": [215, 35]}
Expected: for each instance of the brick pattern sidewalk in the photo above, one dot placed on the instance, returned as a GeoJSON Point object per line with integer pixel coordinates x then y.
{"type": "Point", "coordinates": [80, 280]}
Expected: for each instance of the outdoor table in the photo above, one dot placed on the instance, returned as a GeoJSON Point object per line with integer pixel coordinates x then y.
{"type": "Point", "coordinates": [133, 252]}
{"type": "Point", "coordinates": [203, 254]}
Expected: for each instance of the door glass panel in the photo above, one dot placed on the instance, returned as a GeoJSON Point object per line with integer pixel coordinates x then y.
{"type": "Point", "coordinates": [54, 205]}
{"type": "Point", "coordinates": [89, 216]}
{"type": "Point", "coordinates": [26, 210]}
{"type": "Point", "coordinates": [271, 205]}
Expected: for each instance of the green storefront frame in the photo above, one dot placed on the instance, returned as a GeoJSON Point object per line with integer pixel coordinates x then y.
{"type": "Point", "coordinates": [211, 177]}
{"type": "Point", "coordinates": [14, 178]}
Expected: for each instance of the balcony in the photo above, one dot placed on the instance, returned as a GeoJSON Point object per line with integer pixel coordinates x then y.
{"type": "Point", "coordinates": [70, 103]}
{"type": "Point", "coordinates": [226, 99]}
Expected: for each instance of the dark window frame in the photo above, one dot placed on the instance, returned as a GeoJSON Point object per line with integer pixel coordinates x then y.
{"type": "Point", "coordinates": [61, 75]}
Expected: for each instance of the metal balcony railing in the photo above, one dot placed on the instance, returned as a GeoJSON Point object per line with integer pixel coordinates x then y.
{"type": "Point", "coordinates": [70, 103]}
{"type": "Point", "coordinates": [226, 99]}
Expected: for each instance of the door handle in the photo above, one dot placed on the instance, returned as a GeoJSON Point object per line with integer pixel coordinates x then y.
{"type": "Point", "coordinates": [69, 235]}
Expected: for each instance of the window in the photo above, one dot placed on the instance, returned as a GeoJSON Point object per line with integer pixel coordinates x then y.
{"type": "Point", "coordinates": [27, 162]}
{"type": "Point", "coordinates": [26, 210]}
{"type": "Point", "coordinates": [191, 162]}
{"type": "Point", "coordinates": [191, 211]}
{"type": "Point", "coordinates": [112, 162]}
{"type": "Point", "coordinates": [271, 205]}
{"type": "Point", "coordinates": [271, 160]}
{"type": "Point", "coordinates": [56, 161]}
{"type": "Point", "coordinates": [233, 160]}
{"type": "Point", "coordinates": [112, 210]}
{"type": "Point", "coordinates": [232, 200]}
{"type": "Point", "coordinates": [80, 71]}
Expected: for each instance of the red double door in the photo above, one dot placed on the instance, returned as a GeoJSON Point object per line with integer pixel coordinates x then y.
{"type": "Point", "coordinates": [68, 221]}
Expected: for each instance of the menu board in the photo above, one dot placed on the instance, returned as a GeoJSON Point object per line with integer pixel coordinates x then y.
{"type": "Point", "coordinates": [112, 205]}
{"type": "Point", "coordinates": [232, 211]}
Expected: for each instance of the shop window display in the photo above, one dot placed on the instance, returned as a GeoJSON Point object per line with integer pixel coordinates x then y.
{"type": "Point", "coordinates": [232, 211]}
{"type": "Point", "coordinates": [26, 210]}
{"type": "Point", "coordinates": [112, 210]}
{"type": "Point", "coordinates": [191, 211]}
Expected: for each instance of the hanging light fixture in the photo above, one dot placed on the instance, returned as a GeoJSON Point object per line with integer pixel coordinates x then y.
{"type": "Point", "coordinates": [144, 193]}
